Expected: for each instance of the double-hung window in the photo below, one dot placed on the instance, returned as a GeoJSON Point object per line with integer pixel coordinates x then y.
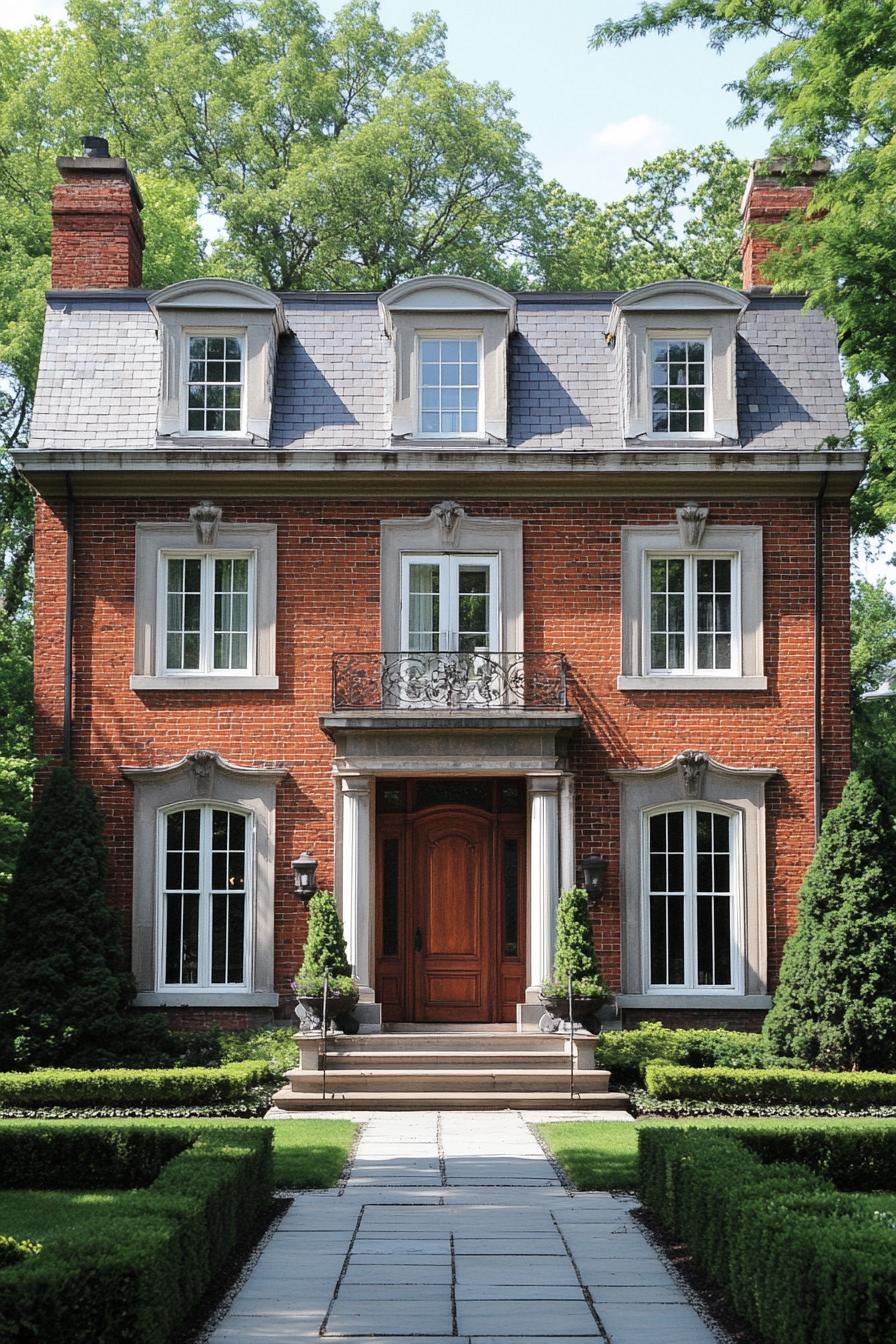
{"type": "Point", "coordinates": [449, 386]}
{"type": "Point", "coordinates": [679, 387]}
{"type": "Point", "coordinates": [692, 621]}
{"type": "Point", "coordinates": [692, 898]}
{"type": "Point", "coordinates": [207, 619]}
{"type": "Point", "coordinates": [205, 863]}
{"type": "Point", "coordinates": [215, 384]}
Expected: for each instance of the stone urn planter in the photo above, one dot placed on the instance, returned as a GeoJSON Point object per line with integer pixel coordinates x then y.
{"type": "Point", "coordinates": [341, 1002]}
{"type": "Point", "coordinates": [585, 1010]}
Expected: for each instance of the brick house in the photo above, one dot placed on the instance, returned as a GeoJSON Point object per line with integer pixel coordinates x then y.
{"type": "Point", "coordinates": [453, 589]}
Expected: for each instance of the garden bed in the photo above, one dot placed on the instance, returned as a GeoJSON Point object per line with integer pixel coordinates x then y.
{"type": "Point", "coordinates": [133, 1223]}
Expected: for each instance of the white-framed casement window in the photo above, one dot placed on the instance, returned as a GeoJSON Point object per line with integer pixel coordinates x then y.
{"type": "Point", "coordinates": [207, 612]}
{"type": "Point", "coordinates": [449, 603]}
{"type": "Point", "coordinates": [215, 379]}
{"type": "Point", "coordinates": [449, 382]}
{"type": "Point", "coordinates": [692, 899]}
{"type": "Point", "coordinates": [691, 618]}
{"type": "Point", "coordinates": [204, 865]}
{"type": "Point", "coordinates": [680, 386]}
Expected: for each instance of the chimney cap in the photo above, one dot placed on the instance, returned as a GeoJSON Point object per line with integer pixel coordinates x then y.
{"type": "Point", "coordinates": [95, 146]}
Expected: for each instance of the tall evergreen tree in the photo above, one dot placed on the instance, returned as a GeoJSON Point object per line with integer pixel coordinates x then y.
{"type": "Point", "coordinates": [63, 990]}
{"type": "Point", "coordinates": [836, 1003]}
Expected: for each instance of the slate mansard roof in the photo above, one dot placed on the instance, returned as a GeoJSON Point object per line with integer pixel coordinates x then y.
{"type": "Point", "coordinates": [98, 387]}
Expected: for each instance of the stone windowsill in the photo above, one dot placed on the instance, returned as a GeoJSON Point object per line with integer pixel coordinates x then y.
{"type": "Point", "coordinates": [206, 998]}
{"type": "Point", "coordinates": [696, 683]}
{"type": "Point", "coordinates": [695, 1001]}
{"type": "Point", "coordinates": [205, 683]}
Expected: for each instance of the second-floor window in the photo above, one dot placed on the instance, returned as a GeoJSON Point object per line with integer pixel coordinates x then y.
{"type": "Point", "coordinates": [679, 387]}
{"type": "Point", "coordinates": [207, 621]}
{"type": "Point", "coordinates": [692, 623]}
{"type": "Point", "coordinates": [215, 385]}
{"type": "Point", "coordinates": [449, 381]}
{"type": "Point", "coordinates": [449, 604]}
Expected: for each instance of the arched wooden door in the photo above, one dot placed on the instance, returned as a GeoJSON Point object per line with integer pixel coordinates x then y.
{"type": "Point", "coordinates": [451, 907]}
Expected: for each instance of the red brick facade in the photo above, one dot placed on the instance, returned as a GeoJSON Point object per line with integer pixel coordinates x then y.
{"type": "Point", "coordinates": [97, 232]}
{"type": "Point", "coordinates": [328, 601]}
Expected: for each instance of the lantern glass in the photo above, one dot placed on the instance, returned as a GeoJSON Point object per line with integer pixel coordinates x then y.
{"type": "Point", "coordinates": [304, 874]}
{"type": "Point", "coordinates": [594, 866]}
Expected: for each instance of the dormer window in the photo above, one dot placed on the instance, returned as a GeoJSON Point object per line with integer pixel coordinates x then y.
{"type": "Point", "coordinates": [219, 353]}
{"type": "Point", "coordinates": [449, 340]}
{"type": "Point", "coordinates": [449, 385]}
{"type": "Point", "coordinates": [215, 384]}
{"type": "Point", "coordinates": [679, 401]}
{"type": "Point", "coordinates": [676, 362]}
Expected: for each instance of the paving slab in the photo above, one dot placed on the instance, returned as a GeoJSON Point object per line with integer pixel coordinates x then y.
{"type": "Point", "coordinates": [456, 1227]}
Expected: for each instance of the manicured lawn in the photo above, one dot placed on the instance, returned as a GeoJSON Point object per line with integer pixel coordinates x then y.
{"type": "Point", "coordinates": [308, 1154]}
{"type": "Point", "coordinates": [41, 1215]}
{"type": "Point", "coordinates": [603, 1154]}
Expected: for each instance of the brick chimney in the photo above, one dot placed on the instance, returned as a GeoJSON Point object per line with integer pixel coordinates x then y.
{"type": "Point", "coordinates": [97, 232]}
{"type": "Point", "coordinates": [767, 200]}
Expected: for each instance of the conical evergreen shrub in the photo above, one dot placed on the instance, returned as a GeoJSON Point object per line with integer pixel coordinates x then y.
{"type": "Point", "coordinates": [574, 949]}
{"type": "Point", "coordinates": [63, 989]}
{"type": "Point", "coordinates": [324, 947]}
{"type": "Point", "coordinates": [836, 1003]}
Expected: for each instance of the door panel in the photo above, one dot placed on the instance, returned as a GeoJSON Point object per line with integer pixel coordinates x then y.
{"type": "Point", "coordinates": [453, 904]}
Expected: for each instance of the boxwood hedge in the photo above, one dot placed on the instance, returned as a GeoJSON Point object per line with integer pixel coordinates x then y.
{"type": "Point", "coordinates": [767, 1087]}
{"type": "Point", "coordinates": [150, 1089]}
{"type": "Point", "coordinates": [142, 1270]}
{"type": "Point", "coordinates": [800, 1261]}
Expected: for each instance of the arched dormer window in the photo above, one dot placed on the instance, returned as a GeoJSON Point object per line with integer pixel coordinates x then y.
{"type": "Point", "coordinates": [449, 340]}
{"type": "Point", "coordinates": [219, 353]}
{"type": "Point", "coordinates": [676, 359]}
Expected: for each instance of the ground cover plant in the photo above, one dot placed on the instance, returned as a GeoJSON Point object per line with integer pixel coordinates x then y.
{"type": "Point", "coordinates": [827, 1271]}
{"type": "Point", "coordinates": [123, 1263]}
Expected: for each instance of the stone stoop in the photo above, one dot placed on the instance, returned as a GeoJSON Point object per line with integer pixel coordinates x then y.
{"type": "Point", "coordinates": [421, 1070]}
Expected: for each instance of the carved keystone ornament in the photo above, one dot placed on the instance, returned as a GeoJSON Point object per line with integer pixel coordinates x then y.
{"type": "Point", "coordinates": [691, 771]}
{"type": "Point", "coordinates": [691, 523]}
{"type": "Point", "coordinates": [202, 763]}
{"type": "Point", "coordinates": [449, 514]}
{"type": "Point", "coordinates": [206, 516]}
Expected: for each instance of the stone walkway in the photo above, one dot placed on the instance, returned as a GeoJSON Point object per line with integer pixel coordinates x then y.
{"type": "Point", "coordinates": [455, 1227]}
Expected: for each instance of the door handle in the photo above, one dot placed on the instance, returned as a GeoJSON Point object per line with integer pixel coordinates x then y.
{"type": "Point", "coordinates": [418, 940]}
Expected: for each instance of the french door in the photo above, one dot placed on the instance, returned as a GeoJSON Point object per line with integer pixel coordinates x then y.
{"type": "Point", "coordinates": [449, 604]}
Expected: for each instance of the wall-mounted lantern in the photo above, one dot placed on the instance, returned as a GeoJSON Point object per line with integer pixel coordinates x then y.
{"type": "Point", "coordinates": [304, 870]}
{"type": "Point", "coordinates": [594, 868]}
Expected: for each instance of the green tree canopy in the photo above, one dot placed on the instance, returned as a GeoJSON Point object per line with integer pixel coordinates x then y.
{"type": "Point", "coordinates": [825, 87]}
{"type": "Point", "coordinates": [872, 662]}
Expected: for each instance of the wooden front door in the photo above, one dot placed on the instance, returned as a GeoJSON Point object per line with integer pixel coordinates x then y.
{"type": "Point", "coordinates": [452, 904]}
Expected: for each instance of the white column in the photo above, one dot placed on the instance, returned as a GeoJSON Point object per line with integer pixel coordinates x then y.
{"type": "Point", "coordinates": [544, 876]}
{"type": "Point", "coordinates": [567, 832]}
{"type": "Point", "coordinates": [356, 886]}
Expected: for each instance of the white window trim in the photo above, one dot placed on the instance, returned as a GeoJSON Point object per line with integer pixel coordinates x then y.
{"type": "Point", "coordinates": [204, 984]}
{"type": "Point", "coordinates": [691, 987]}
{"type": "Point", "coordinates": [683, 334]}
{"type": "Point", "coordinates": [449, 565]}
{"type": "Point", "coordinates": [690, 668]}
{"type": "Point", "coordinates": [446, 334]}
{"type": "Point", "coordinates": [237, 333]}
{"type": "Point", "coordinates": [151, 541]}
{"type": "Point", "coordinates": [206, 666]}
{"type": "Point", "coordinates": [725, 540]}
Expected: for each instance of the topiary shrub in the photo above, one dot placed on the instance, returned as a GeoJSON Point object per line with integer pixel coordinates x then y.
{"type": "Point", "coordinates": [64, 991]}
{"type": "Point", "coordinates": [324, 950]}
{"type": "Point", "coordinates": [574, 951]}
{"type": "Point", "coordinates": [835, 1006]}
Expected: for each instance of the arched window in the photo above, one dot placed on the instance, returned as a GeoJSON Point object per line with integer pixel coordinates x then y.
{"type": "Point", "coordinates": [205, 866]}
{"type": "Point", "coordinates": [692, 897]}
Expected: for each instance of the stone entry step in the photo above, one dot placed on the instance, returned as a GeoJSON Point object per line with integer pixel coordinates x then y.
{"type": "Point", "coordinates": [287, 1100]}
{"type": "Point", "coordinates": [448, 1069]}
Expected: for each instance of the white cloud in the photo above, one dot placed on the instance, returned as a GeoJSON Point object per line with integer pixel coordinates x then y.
{"type": "Point", "coordinates": [642, 132]}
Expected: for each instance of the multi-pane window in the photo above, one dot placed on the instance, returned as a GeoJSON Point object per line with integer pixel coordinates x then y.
{"type": "Point", "coordinates": [691, 621]}
{"type": "Point", "coordinates": [215, 385]}
{"type": "Point", "coordinates": [678, 387]}
{"type": "Point", "coordinates": [449, 385]}
{"type": "Point", "coordinates": [449, 603]}
{"type": "Point", "coordinates": [690, 890]}
{"type": "Point", "coordinates": [204, 896]}
{"type": "Point", "coordinates": [207, 612]}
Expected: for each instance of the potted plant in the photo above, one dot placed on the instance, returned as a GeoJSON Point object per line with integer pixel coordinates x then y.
{"type": "Point", "coordinates": [574, 955]}
{"type": "Point", "coordinates": [325, 952]}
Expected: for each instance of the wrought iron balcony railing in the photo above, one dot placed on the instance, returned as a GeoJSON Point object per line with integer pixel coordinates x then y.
{"type": "Point", "coordinates": [477, 681]}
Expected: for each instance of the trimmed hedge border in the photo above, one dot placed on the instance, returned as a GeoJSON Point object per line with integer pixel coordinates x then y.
{"type": "Point", "coordinates": [145, 1267]}
{"type": "Point", "coordinates": [798, 1260]}
{"type": "Point", "coordinates": [770, 1087]}
{"type": "Point", "coordinates": [142, 1089]}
